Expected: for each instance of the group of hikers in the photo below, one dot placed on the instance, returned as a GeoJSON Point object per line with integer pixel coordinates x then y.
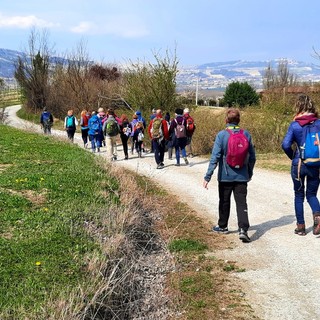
{"type": "Point", "coordinates": [233, 153]}
{"type": "Point", "coordinates": [102, 129]}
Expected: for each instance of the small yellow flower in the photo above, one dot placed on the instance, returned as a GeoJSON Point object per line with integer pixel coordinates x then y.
{"type": "Point", "coordinates": [41, 179]}
{"type": "Point", "coordinates": [38, 263]}
{"type": "Point", "coordinates": [45, 209]}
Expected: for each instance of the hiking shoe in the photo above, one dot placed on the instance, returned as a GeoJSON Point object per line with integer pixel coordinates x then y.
{"type": "Point", "coordinates": [316, 224]}
{"type": "Point", "coordinates": [243, 235]}
{"type": "Point", "coordinates": [220, 230]}
{"type": "Point", "coordinates": [186, 161]}
{"type": "Point", "coordinates": [177, 164]}
{"type": "Point", "coordinates": [300, 229]}
{"type": "Point", "coordinates": [160, 166]}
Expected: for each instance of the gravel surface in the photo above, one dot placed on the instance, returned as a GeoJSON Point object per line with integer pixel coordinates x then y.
{"type": "Point", "coordinates": [282, 274]}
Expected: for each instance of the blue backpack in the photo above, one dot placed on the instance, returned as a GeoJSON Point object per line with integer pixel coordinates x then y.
{"type": "Point", "coordinates": [95, 125]}
{"type": "Point", "coordinates": [46, 118]}
{"type": "Point", "coordinates": [310, 148]}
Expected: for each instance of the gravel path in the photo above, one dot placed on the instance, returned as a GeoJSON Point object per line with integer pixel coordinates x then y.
{"type": "Point", "coordinates": [282, 276]}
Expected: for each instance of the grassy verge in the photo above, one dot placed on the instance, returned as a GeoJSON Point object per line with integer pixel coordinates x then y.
{"type": "Point", "coordinates": [48, 194]}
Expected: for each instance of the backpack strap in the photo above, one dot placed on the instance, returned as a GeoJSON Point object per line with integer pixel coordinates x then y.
{"type": "Point", "coordinates": [232, 127]}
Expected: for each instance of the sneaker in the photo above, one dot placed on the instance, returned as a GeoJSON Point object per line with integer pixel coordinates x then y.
{"type": "Point", "coordinates": [316, 225]}
{"type": "Point", "coordinates": [220, 230]}
{"type": "Point", "coordinates": [177, 164]}
{"type": "Point", "coordinates": [186, 161]}
{"type": "Point", "coordinates": [243, 235]}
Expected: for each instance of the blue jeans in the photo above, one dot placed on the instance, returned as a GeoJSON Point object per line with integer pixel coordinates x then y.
{"type": "Point", "coordinates": [183, 153]}
{"type": "Point", "coordinates": [95, 141]}
{"type": "Point", "coordinates": [308, 191]}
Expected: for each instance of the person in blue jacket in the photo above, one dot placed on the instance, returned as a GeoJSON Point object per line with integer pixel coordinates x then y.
{"type": "Point", "coordinates": [231, 180]}
{"type": "Point", "coordinates": [95, 132]}
{"type": "Point", "coordinates": [305, 178]}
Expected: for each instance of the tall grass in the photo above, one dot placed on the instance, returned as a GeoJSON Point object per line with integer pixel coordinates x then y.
{"type": "Point", "coordinates": [267, 125]}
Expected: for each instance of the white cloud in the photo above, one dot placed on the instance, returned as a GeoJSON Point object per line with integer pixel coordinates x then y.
{"type": "Point", "coordinates": [23, 22]}
{"type": "Point", "coordinates": [125, 26]}
{"type": "Point", "coordinates": [85, 27]}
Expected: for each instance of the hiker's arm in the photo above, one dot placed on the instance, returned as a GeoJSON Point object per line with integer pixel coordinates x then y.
{"type": "Point", "coordinates": [287, 142]}
{"type": "Point", "coordinates": [165, 130]}
{"type": "Point", "coordinates": [215, 157]}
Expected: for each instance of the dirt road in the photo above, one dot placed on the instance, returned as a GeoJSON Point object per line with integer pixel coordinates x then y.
{"type": "Point", "coordinates": [282, 277]}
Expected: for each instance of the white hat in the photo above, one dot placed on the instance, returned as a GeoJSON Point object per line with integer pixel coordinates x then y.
{"type": "Point", "coordinates": [186, 110]}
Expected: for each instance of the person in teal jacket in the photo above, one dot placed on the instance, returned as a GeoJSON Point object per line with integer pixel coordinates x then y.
{"type": "Point", "coordinates": [231, 180]}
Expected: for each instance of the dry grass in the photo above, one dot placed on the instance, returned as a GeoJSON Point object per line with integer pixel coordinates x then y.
{"type": "Point", "coordinates": [266, 126]}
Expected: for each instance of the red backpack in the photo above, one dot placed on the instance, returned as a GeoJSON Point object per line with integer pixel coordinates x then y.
{"type": "Point", "coordinates": [190, 125]}
{"type": "Point", "coordinates": [238, 147]}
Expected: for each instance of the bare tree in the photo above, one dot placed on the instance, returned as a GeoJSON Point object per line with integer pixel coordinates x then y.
{"type": "Point", "coordinates": [32, 70]}
{"type": "Point", "coordinates": [79, 83]}
{"type": "Point", "coordinates": [279, 79]}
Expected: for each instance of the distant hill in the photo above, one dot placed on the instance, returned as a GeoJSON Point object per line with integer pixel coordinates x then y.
{"type": "Point", "coordinates": [217, 75]}
{"type": "Point", "coordinates": [213, 75]}
{"type": "Point", "coordinates": [7, 60]}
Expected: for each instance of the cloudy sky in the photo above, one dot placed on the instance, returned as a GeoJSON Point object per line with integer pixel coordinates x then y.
{"type": "Point", "coordinates": [200, 31]}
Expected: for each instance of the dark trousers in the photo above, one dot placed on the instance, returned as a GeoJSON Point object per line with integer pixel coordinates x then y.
{"type": "Point", "coordinates": [84, 135]}
{"type": "Point", "coordinates": [124, 141]}
{"type": "Point", "coordinates": [70, 133]}
{"type": "Point", "coordinates": [158, 148]}
{"type": "Point", "coordinates": [239, 190]}
{"type": "Point", "coordinates": [138, 145]}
